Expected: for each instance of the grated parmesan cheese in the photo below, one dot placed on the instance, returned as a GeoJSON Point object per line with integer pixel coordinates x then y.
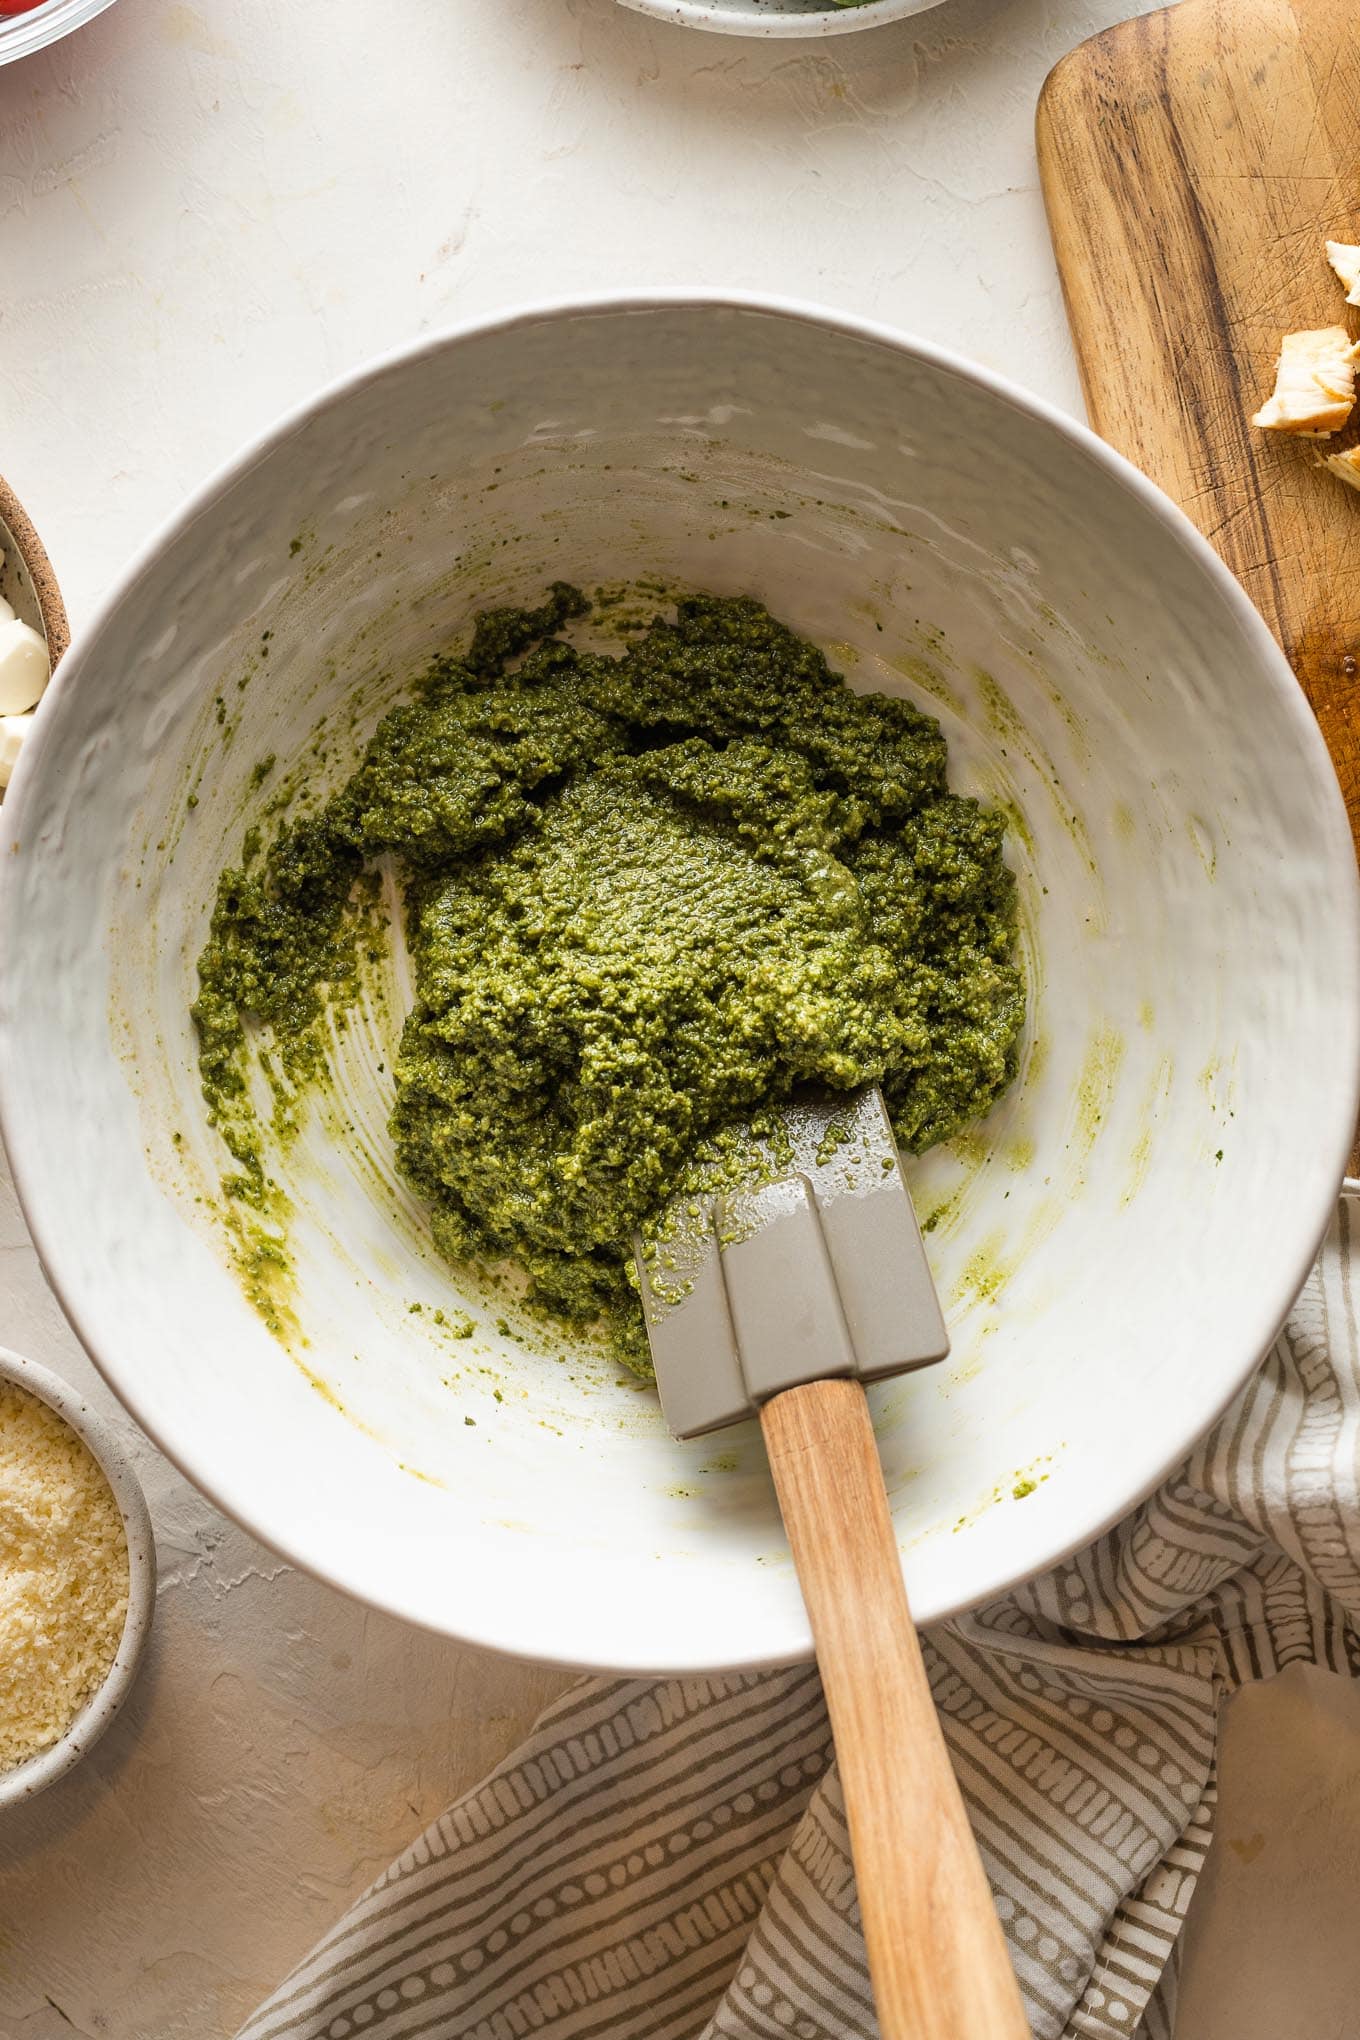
{"type": "Point", "coordinates": [63, 1576]}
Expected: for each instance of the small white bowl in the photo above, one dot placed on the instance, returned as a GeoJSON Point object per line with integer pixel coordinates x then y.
{"type": "Point", "coordinates": [94, 1717]}
{"type": "Point", "coordinates": [22, 34]}
{"type": "Point", "coordinates": [779, 17]}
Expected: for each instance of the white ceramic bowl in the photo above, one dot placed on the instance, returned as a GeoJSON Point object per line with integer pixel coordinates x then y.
{"type": "Point", "coordinates": [94, 1717]}
{"type": "Point", "coordinates": [1115, 1247]}
{"type": "Point", "coordinates": [804, 18]}
{"type": "Point", "coordinates": [22, 34]}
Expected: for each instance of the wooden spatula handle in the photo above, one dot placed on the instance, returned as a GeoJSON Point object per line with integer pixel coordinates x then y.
{"type": "Point", "coordinates": [937, 1955]}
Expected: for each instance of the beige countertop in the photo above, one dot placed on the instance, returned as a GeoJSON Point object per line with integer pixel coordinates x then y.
{"type": "Point", "coordinates": [205, 211]}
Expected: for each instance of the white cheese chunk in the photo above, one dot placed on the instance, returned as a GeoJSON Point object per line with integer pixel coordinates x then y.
{"type": "Point", "coordinates": [1346, 466]}
{"type": "Point", "coordinates": [1345, 260]}
{"type": "Point", "coordinates": [1314, 384]}
{"type": "Point", "coordinates": [13, 730]}
{"type": "Point", "coordinates": [24, 666]}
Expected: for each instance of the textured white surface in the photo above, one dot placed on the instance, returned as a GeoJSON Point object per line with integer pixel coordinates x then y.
{"type": "Point", "coordinates": [883, 500]}
{"type": "Point", "coordinates": [205, 212]}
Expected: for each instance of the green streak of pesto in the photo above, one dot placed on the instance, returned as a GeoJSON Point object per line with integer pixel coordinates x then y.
{"type": "Point", "coordinates": [646, 897]}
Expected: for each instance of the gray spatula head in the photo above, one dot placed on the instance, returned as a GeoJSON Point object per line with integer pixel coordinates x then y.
{"type": "Point", "coordinates": [815, 1271]}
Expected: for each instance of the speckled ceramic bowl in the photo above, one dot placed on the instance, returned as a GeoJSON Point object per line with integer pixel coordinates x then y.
{"type": "Point", "coordinates": [99, 1710]}
{"type": "Point", "coordinates": [1115, 1246]}
{"type": "Point", "coordinates": [805, 18]}
{"type": "Point", "coordinates": [27, 581]}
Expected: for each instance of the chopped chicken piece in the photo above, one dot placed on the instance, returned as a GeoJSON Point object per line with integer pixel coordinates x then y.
{"type": "Point", "coordinates": [1345, 465]}
{"type": "Point", "coordinates": [1345, 260]}
{"type": "Point", "coordinates": [1314, 384]}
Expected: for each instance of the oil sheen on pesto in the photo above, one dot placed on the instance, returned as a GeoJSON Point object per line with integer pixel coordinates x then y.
{"type": "Point", "coordinates": [646, 896]}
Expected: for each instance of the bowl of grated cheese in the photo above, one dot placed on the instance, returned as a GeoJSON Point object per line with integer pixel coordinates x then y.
{"type": "Point", "coordinates": [77, 1577]}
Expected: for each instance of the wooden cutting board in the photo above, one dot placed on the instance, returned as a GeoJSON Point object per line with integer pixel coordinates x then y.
{"type": "Point", "coordinates": [1193, 163]}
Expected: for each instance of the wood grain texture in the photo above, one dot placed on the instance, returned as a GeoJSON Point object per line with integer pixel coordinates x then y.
{"type": "Point", "coordinates": [937, 1955]}
{"type": "Point", "coordinates": [1193, 163]}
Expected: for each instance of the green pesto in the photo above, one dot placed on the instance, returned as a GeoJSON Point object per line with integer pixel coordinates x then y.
{"type": "Point", "coordinates": [646, 896]}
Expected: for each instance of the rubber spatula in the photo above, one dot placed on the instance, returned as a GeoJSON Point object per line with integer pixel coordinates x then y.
{"type": "Point", "coordinates": [780, 1299]}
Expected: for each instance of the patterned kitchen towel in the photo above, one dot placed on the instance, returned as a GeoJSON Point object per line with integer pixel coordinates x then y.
{"type": "Point", "coordinates": [669, 1861]}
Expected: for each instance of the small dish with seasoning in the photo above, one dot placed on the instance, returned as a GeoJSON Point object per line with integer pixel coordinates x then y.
{"type": "Point", "coordinates": [77, 1577]}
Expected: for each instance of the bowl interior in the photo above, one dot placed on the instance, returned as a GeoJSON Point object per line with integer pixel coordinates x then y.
{"type": "Point", "coordinates": [1112, 1245]}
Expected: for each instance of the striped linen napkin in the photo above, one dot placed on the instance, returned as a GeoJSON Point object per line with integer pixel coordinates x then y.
{"type": "Point", "coordinates": [669, 1861]}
